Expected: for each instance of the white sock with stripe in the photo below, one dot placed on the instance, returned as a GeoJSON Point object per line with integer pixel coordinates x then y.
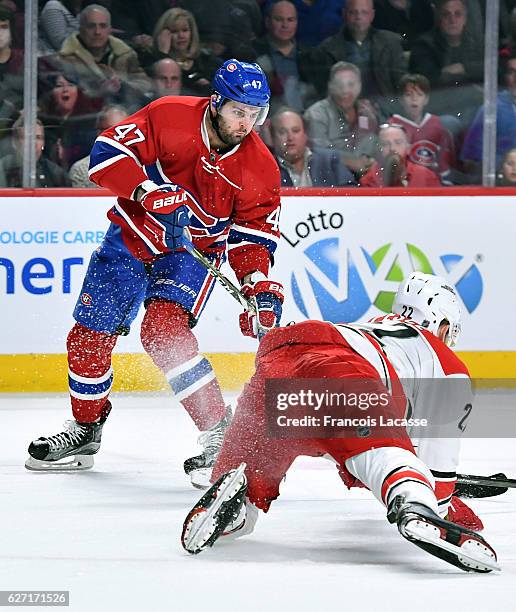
{"type": "Point", "coordinates": [390, 471]}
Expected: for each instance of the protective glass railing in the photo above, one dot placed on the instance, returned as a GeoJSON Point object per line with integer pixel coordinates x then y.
{"type": "Point", "coordinates": [390, 93]}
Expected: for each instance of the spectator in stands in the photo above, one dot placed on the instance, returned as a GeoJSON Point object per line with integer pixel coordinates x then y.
{"type": "Point", "coordinates": [505, 123]}
{"type": "Point", "coordinates": [17, 8]}
{"type": "Point", "coordinates": [278, 56]}
{"type": "Point", "coordinates": [225, 45]}
{"type": "Point", "coordinates": [134, 20]}
{"type": "Point", "coordinates": [431, 143]}
{"type": "Point", "coordinates": [109, 116]}
{"type": "Point", "coordinates": [240, 19]}
{"type": "Point", "coordinates": [176, 36]}
{"type": "Point", "coordinates": [453, 62]}
{"type": "Point", "coordinates": [166, 78]}
{"type": "Point", "coordinates": [58, 20]}
{"type": "Point", "coordinates": [300, 166]}
{"type": "Point", "coordinates": [508, 46]}
{"type": "Point", "coordinates": [476, 23]}
{"type": "Point", "coordinates": [48, 174]}
{"type": "Point", "coordinates": [507, 173]}
{"type": "Point", "coordinates": [251, 11]}
{"type": "Point", "coordinates": [11, 79]}
{"type": "Point", "coordinates": [394, 168]}
{"type": "Point", "coordinates": [103, 62]}
{"type": "Point", "coordinates": [69, 116]}
{"type": "Point", "coordinates": [318, 19]}
{"type": "Point", "coordinates": [408, 18]}
{"type": "Point", "coordinates": [227, 34]}
{"type": "Point", "coordinates": [377, 53]}
{"type": "Point", "coordinates": [11, 60]}
{"type": "Point", "coordinates": [343, 121]}
{"type": "Point", "coordinates": [8, 114]}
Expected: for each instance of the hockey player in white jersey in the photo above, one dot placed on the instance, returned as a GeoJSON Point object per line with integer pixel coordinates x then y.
{"type": "Point", "coordinates": [435, 381]}
{"type": "Point", "coordinates": [399, 353]}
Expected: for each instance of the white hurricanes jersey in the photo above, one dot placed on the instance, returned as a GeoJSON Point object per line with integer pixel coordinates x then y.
{"type": "Point", "coordinates": [435, 381]}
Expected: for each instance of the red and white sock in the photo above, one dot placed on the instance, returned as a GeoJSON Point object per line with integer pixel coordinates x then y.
{"type": "Point", "coordinates": [168, 339]}
{"type": "Point", "coordinates": [444, 487]}
{"type": "Point", "coordinates": [391, 471]}
{"type": "Point", "coordinates": [90, 375]}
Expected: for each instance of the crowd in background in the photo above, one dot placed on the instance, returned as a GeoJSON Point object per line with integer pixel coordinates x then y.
{"type": "Point", "coordinates": [372, 93]}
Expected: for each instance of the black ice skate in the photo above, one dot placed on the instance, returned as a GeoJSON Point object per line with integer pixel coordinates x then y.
{"type": "Point", "coordinates": [70, 450]}
{"type": "Point", "coordinates": [199, 468]}
{"type": "Point", "coordinates": [217, 513]}
{"type": "Point", "coordinates": [450, 542]}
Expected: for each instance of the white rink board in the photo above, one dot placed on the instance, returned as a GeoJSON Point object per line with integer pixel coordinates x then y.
{"type": "Point", "coordinates": [470, 240]}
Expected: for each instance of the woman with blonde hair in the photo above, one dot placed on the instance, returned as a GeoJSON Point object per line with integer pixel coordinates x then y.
{"type": "Point", "coordinates": [176, 36]}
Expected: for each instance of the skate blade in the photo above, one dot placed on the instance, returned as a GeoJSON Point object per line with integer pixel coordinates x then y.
{"type": "Point", "coordinates": [200, 479]}
{"type": "Point", "coordinates": [472, 554]}
{"type": "Point", "coordinates": [78, 463]}
{"type": "Point", "coordinates": [201, 523]}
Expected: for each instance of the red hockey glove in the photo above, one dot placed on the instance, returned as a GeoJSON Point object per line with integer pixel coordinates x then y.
{"type": "Point", "coordinates": [166, 217]}
{"type": "Point", "coordinates": [463, 515]}
{"type": "Point", "coordinates": [269, 299]}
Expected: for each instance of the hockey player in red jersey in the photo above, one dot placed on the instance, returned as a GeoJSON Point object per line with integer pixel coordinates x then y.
{"type": "Point", "coordinates": [179, 162]}
{"type": "Point", "coordinates": [396, 353]}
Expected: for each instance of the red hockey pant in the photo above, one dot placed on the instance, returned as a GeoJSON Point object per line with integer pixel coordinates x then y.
{"type": "Point", "coordinates": [268, 459]}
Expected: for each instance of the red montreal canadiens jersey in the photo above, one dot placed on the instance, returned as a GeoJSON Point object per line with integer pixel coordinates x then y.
{"type": "Point", "coordinates": [431, 143]}
{"type": "Point", "coordinates": [233, 198]}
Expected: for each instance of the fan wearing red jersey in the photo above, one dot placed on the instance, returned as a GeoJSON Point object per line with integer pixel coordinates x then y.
{"type": "Point", "coordinates": [180, 162]}
{"type": "Point", "coordinates": [431, 144]}
{"type": "Point", "coordinates": [393, 354]}
{"type": "Point", "coordinates": [394, 168]}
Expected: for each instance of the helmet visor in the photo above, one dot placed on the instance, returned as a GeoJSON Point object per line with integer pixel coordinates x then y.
{"type": "Point", "coordinates": [262, 115]}
{"type": "Point", "coordinates": [256, 115]}
{"type": "Point", "coordinates": [453, 334]}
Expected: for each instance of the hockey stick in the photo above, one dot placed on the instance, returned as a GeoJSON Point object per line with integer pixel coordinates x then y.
{"type": "Point", "coordinates": [217, 274]}
{"type": "Point", "coordinates": [469, 485]}
{"type": "Point", "coordinates": [232, 289]}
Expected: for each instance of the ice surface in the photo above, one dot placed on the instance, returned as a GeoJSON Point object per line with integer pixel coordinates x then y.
{"type": "Point", "coordinates": [111, 535]}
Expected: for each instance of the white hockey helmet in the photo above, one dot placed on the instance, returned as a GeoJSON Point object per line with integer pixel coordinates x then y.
{"type": "Point", "coordinates": [429, 300]}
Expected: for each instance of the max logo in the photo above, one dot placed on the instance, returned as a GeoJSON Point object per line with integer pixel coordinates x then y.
{"type": "Point", "coordinates": [173, 200]}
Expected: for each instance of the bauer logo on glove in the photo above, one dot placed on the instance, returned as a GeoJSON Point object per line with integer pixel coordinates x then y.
{"type": "Point", "coordinates": [172, 200]}
{"type": "Point", "coordinates": [268, 298]}
{"type": "Point", "coordinates": [165, 198]}
{"type": "Point", "coordinates": [164, 229]}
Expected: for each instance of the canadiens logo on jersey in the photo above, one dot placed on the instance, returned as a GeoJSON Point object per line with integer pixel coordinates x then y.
{"type": "Point", "coordinates": [86, 299]}
{"type": "Point", "coordinates": [425, 153]}
{"type": "Point", "coordinates": [432, 144]}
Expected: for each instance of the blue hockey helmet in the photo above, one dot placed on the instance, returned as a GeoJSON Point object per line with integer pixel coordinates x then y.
{"type": "Point", "coordinates": [242, 82]}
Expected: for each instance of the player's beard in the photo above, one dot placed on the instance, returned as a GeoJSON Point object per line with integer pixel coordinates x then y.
{"type": "Point", "coordinates": [220, 126]}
